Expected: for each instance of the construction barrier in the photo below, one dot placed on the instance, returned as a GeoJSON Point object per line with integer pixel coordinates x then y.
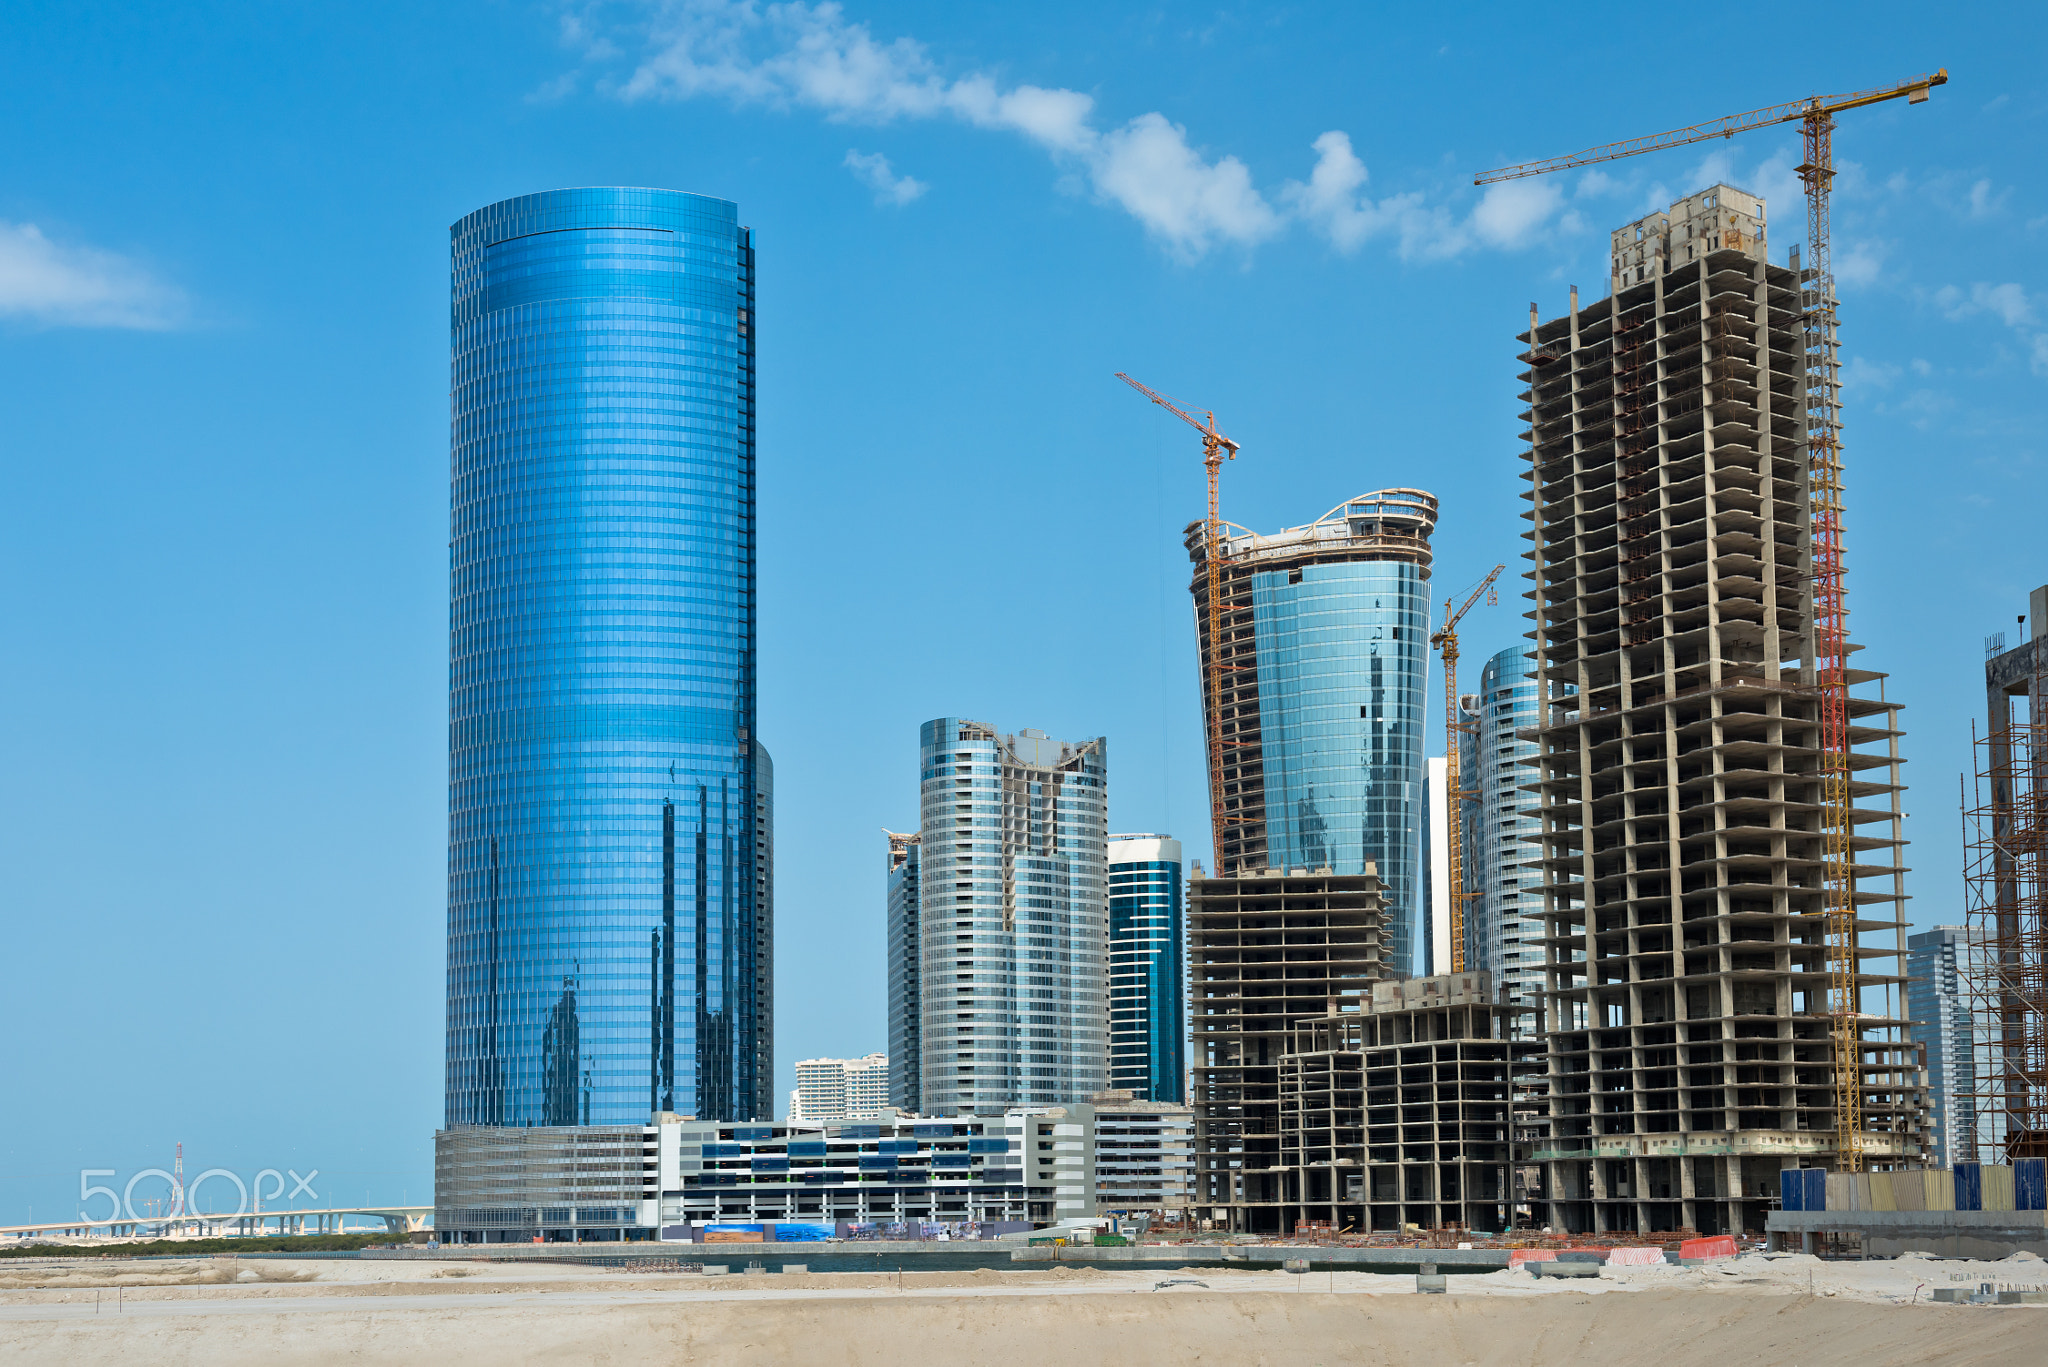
{"type": "Point", "coordinates": [1995, 1187]}
{"type": "Point", "coordinates": [1715, 1246]}
{"type": "Point", "coordinates": [1635, 1257]}
{"type": "Point", "coordinates": [1517, 1257]}
{"type": "Point", "coordinates": [1969, 1186]}
{"type": "Point", "coordinates": [2030, 1184]}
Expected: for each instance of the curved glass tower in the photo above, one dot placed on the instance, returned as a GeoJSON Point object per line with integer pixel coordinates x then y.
{"type": "Point", "coordinates": [1503, 919]}
{"type": "Point", "coordinates": [609, 809]}
{"type": "Point", "coordinates": [1319, 686]}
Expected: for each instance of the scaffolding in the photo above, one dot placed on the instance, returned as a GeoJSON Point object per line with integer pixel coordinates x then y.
{"type": "Point", "coordinates": [2005, 873]}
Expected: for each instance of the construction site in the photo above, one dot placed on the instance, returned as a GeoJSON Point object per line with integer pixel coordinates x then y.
{"type": "Point", "coordinates": [1396, 1109]}
{"type": "Point", "coordinates": [1718, 781]}
{"type": "Point", "coordinates": [2005, 1102]}
{"type": "Point", "coordinates": [1684, 765]}
{"type": "Point", "coordinates": [1266, 952]}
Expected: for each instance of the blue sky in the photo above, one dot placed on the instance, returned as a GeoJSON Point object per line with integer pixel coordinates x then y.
{"type": "Point", "coordinates": [223, 375]}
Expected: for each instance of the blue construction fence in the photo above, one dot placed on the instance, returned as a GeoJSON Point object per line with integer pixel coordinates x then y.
{"type": "Point", "coordinates": [2022, 1185]}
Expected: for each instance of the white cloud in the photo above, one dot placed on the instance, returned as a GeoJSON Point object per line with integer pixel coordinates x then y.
{"type": "Point", "coordinates": [2010, 304]}
{"type": "Point", "coordinates": [1329, 199]}
{"type": "Point", "coordinates": [800, 55]}
{"type": "Point", "coordinates": [1509, 215]}
{"type": "Point", "coordinates": [1859, 263]}
{"type": "Point", "coordinates": [872, 169]}
{"type": "Point", "coordinates": [1592, 184]}
{"type": "Point", "coordinates": [2008, 301]}
{"type": "Point", "coordinates": [1860, 373]}
{"type": "Point", "coordinates": [60, 285]}
{"type": "Point", "coordinates": [1983, 201]}
{"type": "Point", "coordinates": [1147, 167]}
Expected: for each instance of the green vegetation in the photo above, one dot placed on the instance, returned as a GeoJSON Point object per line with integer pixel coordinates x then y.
{"type": "Point", "coordinates": [288, 1243]}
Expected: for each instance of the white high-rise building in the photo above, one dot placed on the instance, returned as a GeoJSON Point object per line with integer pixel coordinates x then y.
{"type": "Point", "coordinates": [1436, 863]}
{"type": "Point", "coordinates": [840, 1088]}
{"type": "Point", "coordinates": [1011, 979]}
{"type": "Point", "coordinates": [1503, 927]}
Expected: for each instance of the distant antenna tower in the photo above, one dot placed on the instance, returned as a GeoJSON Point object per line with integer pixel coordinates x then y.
{"type": "Point", "coordinates": [178, 1182]}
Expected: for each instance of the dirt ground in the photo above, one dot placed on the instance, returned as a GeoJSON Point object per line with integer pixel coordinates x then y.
{"type": "Point", "coordinates": [1791, 1311]}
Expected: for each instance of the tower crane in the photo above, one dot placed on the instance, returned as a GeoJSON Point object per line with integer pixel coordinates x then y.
{"type": "Point", "coordinates": [1445, 639]}
{"type": "Point", "coordinates": [1216, 448]}
{"type": "Point", "coordinates": [1815, 115]}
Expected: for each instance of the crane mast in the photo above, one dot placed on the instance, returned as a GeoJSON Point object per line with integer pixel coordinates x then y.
{"type": "Point", "coordinates": [1446, 642]}
{"type": "Point", "coordinates": [1216, 448]}
{"type": "Point", "coordinates": [1815, 115]}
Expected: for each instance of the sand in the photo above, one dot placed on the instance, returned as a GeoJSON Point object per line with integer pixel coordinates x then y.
{"type": "Point", "coordinates": [1787, 1311]}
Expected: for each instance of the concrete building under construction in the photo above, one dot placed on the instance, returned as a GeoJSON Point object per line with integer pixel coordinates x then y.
{"type": "Point", "coordinates": [1691, 1052]}
{"type": "Point", "coordinates": [1268, 950]}
{"type": "Point", "coordinates": [1398, 1108]}
{"type": "Point", "coordinates": [2006, 879]}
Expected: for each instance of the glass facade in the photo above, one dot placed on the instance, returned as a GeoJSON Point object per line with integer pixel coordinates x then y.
{"type": "Point", "coordinates": [610, 824]}
{"type": "Point", "coordinates": [905, 936]}
{"type": "Point", "coordinates": [1147, 968]}
{"type": "Point", "coordinates": [1503, 925]}
{"type": "Point", "coordinates": [1342, 654]}
{"type": "Point", "coordinates": [1939, 1006]}
{"type": "Point", "coordinates": [1316, 713]}
{"type": "Point", "coordinates": [1012, 919]}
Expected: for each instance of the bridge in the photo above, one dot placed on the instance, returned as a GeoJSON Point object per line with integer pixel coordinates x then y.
{"type": "Point", "coordinates": [198, 1224]}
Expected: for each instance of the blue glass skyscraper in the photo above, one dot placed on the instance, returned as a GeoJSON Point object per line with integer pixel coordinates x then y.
{"type": "Point", "coordinates": [1318, 690]}
{"type": "Point", "coordinates": [1938, 1001]}
{"type": "Point", "coordinates": [610, 809]}
{"type": "Point", "coordinates": [1147, 968]}
{"type": "Point", "coordinates": [1503, 916]}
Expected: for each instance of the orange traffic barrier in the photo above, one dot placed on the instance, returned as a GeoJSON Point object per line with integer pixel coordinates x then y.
{"type": "Point", "coordinates": [1717, 1246]}
{"type": "Point", "coordinates": [1639, 1256]}
{"type": "Point", "coordinates": [1531, 1255]}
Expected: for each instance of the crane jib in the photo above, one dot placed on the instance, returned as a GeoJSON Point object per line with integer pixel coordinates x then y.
{"type": "Point", "coordinates": [1915, 91]}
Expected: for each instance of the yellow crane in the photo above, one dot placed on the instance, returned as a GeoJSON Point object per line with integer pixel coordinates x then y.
{"type": "Point", "coordinates": [1445, 640]}
{"type": "Point", "coordinates": [1816, 117]}
{"type": "Point", "coordinates": [1216, 448]}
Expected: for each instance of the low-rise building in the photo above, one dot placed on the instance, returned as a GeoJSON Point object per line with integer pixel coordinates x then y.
{"type": "Point", "coordinates": [1144, 1154]}
{"type": "Point", "coordinates": [1397, 1108]}
{"type": "Point", "coordinates": [570, 1183]}
{"type": "Point", "coordinates": [840, 1088]}
{"type": "Point", "coordinates": [496, 1184]}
